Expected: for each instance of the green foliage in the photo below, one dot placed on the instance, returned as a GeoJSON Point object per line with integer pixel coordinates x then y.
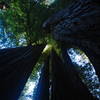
{"type": "Point", "coordinates": [26, 17]}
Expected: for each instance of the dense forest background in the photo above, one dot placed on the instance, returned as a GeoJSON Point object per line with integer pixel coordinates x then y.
{"type": "Point", "coordinates": [21, 25]}
{"type": "Point", "coordinates": [22, 20]}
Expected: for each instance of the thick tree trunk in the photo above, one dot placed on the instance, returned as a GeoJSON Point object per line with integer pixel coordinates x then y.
{"type": "Point", "coordinates": [81, 92]}
{"type": "Point", "coordinates": [62, 88]}
{"type": "Point", "coordinates": [15, 67]}
{"type": "Point", "coordinates": [66, 84]}
{"type": "Point", "coordinates": [42, 91]}
{"type": "Point", "coordinates": [79, 26]}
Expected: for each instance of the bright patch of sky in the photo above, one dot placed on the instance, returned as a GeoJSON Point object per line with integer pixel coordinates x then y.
{"type": "Point", "coordinates": [86, 71]}
{"type": "Point", "coordinates": [48, 2]}
{"type": "Point", "coordinates": [36, 1]}
{"type": "Point", "coordinates": [22, 41]}
{"type": "Point", "coordinates": [28, 92]}
{"type": "Point", "coordinates": [6, 40]}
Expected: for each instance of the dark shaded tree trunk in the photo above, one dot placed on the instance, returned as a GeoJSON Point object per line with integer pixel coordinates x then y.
{"type": "Point", "coordinates": [76, 26]}
{"type": "Point", "coordinates": [79, 89]}
{"type": "Point", "coordinates": [90, 49]}
{"type": "Point", "coordinates": [42, 90]}
{"type": "Point", "coordinates": [79, 25]}
{"type": "Point", "coordinates": [61, 87]}
{"type": "Point", "coordinates": [66, 83]}
{"type": "Point", "coordinates": [15, 67]}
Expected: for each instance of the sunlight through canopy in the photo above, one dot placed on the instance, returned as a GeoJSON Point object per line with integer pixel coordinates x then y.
{"type": "Point", "coordinates": [49, 2]}
{"type": "Point", "coordinates": [86, 70]}
{"type": "Point", "coordinates": [29, 89]}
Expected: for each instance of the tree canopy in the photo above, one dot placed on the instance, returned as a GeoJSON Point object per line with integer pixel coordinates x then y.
{"type": "Point", "coordinates": [25, 18]}
{"type": "Point", "coordinates": [21, 24]}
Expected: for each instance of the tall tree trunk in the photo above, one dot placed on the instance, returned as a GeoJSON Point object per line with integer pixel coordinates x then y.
{"type": "Point", "coordinates": [42, 91]}
{"type": "Point", "coordinates": [15, 67]}
{"type": "Point", "coordinates": [66, 82]}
